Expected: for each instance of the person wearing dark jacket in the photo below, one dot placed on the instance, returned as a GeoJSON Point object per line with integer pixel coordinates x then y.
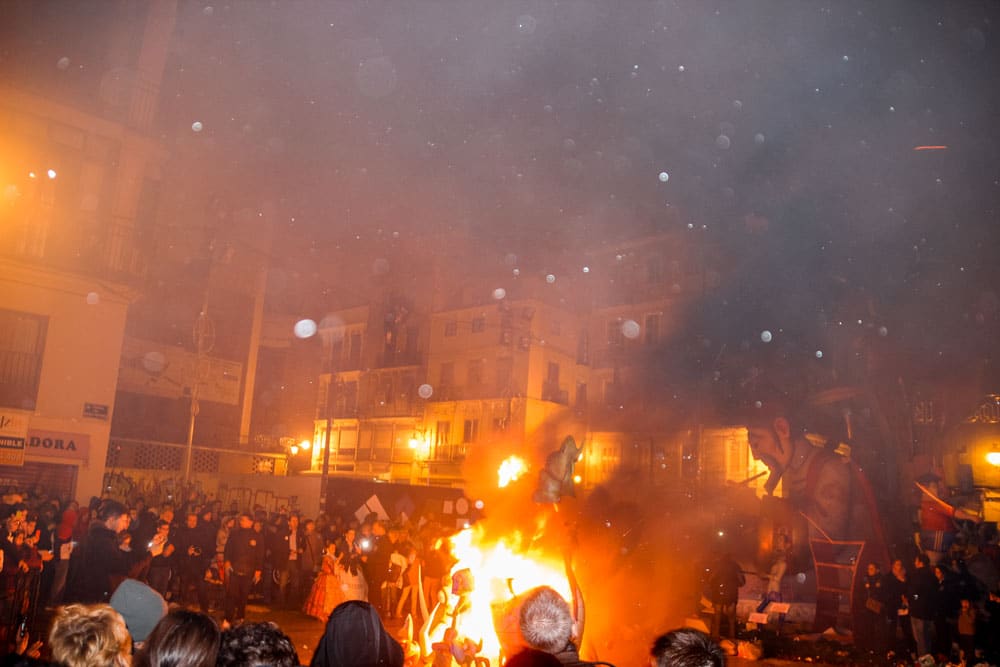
{"type": "Point", "coordinates": [922, 595]}
{"type": "Point", "coordinates": [244, 561]}
{"type": "Point", "coordinates": [869, 631]}
{"type": "Point", "coordinates": [355, 637]}
{"type": "Point", "coordinates": [897, 609]}
{"type": "Point", "coordinates": [195, 548]}
{"type": "Point", "coordinates": [724, 586]}
{"type": "Point", "coordinates": [98, 564]}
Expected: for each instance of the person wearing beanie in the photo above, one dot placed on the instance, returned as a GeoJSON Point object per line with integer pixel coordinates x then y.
{"type": "Point", "coordinates": [140, 606]}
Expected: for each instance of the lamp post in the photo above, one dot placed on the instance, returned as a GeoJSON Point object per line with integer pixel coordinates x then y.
{"type": "Point", "coordinates": [328, 334]}
{"type": "Point", "coordinates": [203, 336]}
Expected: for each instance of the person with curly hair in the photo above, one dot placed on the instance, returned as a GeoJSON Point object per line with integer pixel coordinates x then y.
{"type": "Point", "coordinates": [256, 645]}
{"type": "Point", "coordinates": [90, 636]}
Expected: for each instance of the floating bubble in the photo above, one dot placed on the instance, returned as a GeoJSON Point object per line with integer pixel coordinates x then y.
{"type": "Point", "coordinates": [664, 177]}
{"type": "Point", "coordinates": [758, 138]}
{"type": "Point", "coordinates": [758, 404]}
{"type": "Point", "coordinates": [845, 58]}
{"type": "Point", "coordinates": [425, 391]}
{"type": "Point", "coordinates": [93, 298]}
{"type": "Point", "coordinates": [479, 504]}
{"type": "Point", "coordinates": [197, 126]}
{"type": "Point", "coordinates": [586, 269]}
{"type": "Point", "coordinates": [526, 24]}
{"type": "Point", "coordinates": [154, 361]}
{"type": "Point", "coordinates": [305, 328]}
{"type": "Point", "coordinates": [800, 577]}
{"type": "Point", "coordinates": [765, 336]}
{"type": "Point", "coordinates": [630, 329]}
{"type": "Point", "coordinates": [516, 272]}
{"type": "Point", "coordinates": [607, 523]}
{"type": "Point", "coordinates": [722, 141]}
{"type": "Point", "coordinates": [62, 63]}
{"type": "Point", "coordinates": [569, 144]}
{"type": "Point", "coordinates": [675, 288]}
{"type": "Point", "coordinates": [499, 293]}
{"type": "Point", "coordinates": [680, 68]}
{"type": "Point", "coordinates": [690, 225]}
{"type": "Point", "coordinates": [547, 108]}
{"type": "Point", "coordinates": [819, 354]}
{"type": "Point", "coordinates": [550, 279]}
{"type": "Point", "coordinates": [883, 331]}
{"type": "Point", "coordinates": [208, 10]}
{"type": "Point", "coordinates": [737, 105]}
{"type": "Point", "coordinates": [51, 173]}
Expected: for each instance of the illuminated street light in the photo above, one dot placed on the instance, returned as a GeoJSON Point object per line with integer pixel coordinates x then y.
{"type": "Point", "coordinates": [51, 173]}
{"type": "Point", "coordinates": [993, 458]}
{"type": "Point", "coordinates": [305, 445]}
{"type": "Point", "coordinates": [294, 449]}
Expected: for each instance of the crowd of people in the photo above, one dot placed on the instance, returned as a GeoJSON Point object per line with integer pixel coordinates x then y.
{"type": "Point", "coordinates": [199, 555]}
{"type": "Point", "coordinates": [133, 586]}
{"type": "Point", "coordinates": [938, 609]}
{"type": "Point", "coordinates": [149, 566]}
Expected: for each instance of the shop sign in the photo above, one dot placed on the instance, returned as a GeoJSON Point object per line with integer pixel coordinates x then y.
{"type": "Point", "coordinates": [58, 444]}
{"type": "Point", "coordinates": [11, 451]}
{"type": "Point", "coordinates": [13, 432]}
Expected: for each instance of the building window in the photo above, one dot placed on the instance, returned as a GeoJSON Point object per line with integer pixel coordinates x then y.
{"type": "Point", "coordinates": [478, 324]}
{"type": "Point", "coordinates": [475, 376]}
{"type": "Point", "coordinates": [612, 393]}
{"type": "Point", "coordinates": [583, 348]}
{"type": "Point", "coordinates": [450, 328]}
{"type": "Point", "coordinates": [652, 328]}
{"type": "Point", "coordinates": [22, 343]}
{"type": "Point", "coordinates": [441, 436]}
{"type": "Point", "coordinates": [654, 270]}
{"type": "Point", "coordinates": [553, 373]}
{"type": "Point", "coordinates": [505, 373]}
{"type": "Point", "coordinates": [581, 395]}
{"type": "Point", "coordinates": [447, 378]}
{"type": "Point", "coordinates": [470, 430]}
{"type": "Point", "coordinates": [355, 352]}
{"type": "Point", "coordinates": [615, 336]}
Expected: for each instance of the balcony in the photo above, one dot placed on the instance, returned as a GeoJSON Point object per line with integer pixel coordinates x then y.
{"type": "Point", "coordinates": [102, 248]}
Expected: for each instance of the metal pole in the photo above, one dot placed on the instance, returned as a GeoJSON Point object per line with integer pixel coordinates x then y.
{"type": "Point", "coordinates": [204, 340]}
{"type": "Point", "coordinates": [325, 478]}
{"type": "Point", "coordinates": [189, 452]}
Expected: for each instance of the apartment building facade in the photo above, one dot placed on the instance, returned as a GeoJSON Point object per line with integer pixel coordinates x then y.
{"type": "Point", "coordinates": [79, 181]}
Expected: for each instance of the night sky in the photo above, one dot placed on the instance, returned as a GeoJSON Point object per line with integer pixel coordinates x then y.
{"type": "Point", "coordinates": [786, 132]}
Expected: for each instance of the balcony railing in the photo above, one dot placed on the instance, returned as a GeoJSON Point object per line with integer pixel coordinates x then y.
{"type": "Point", "coordinates": [103, 248]}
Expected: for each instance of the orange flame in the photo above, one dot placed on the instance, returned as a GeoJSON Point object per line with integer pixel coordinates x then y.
{"type": "Point", "coordinates": [511, 470]}
{"type": "Point", "coordinates": [501, 571]}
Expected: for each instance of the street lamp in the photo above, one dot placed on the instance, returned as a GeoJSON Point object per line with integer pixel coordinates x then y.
{"type": "Point", "coordinates": [421, 449]}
